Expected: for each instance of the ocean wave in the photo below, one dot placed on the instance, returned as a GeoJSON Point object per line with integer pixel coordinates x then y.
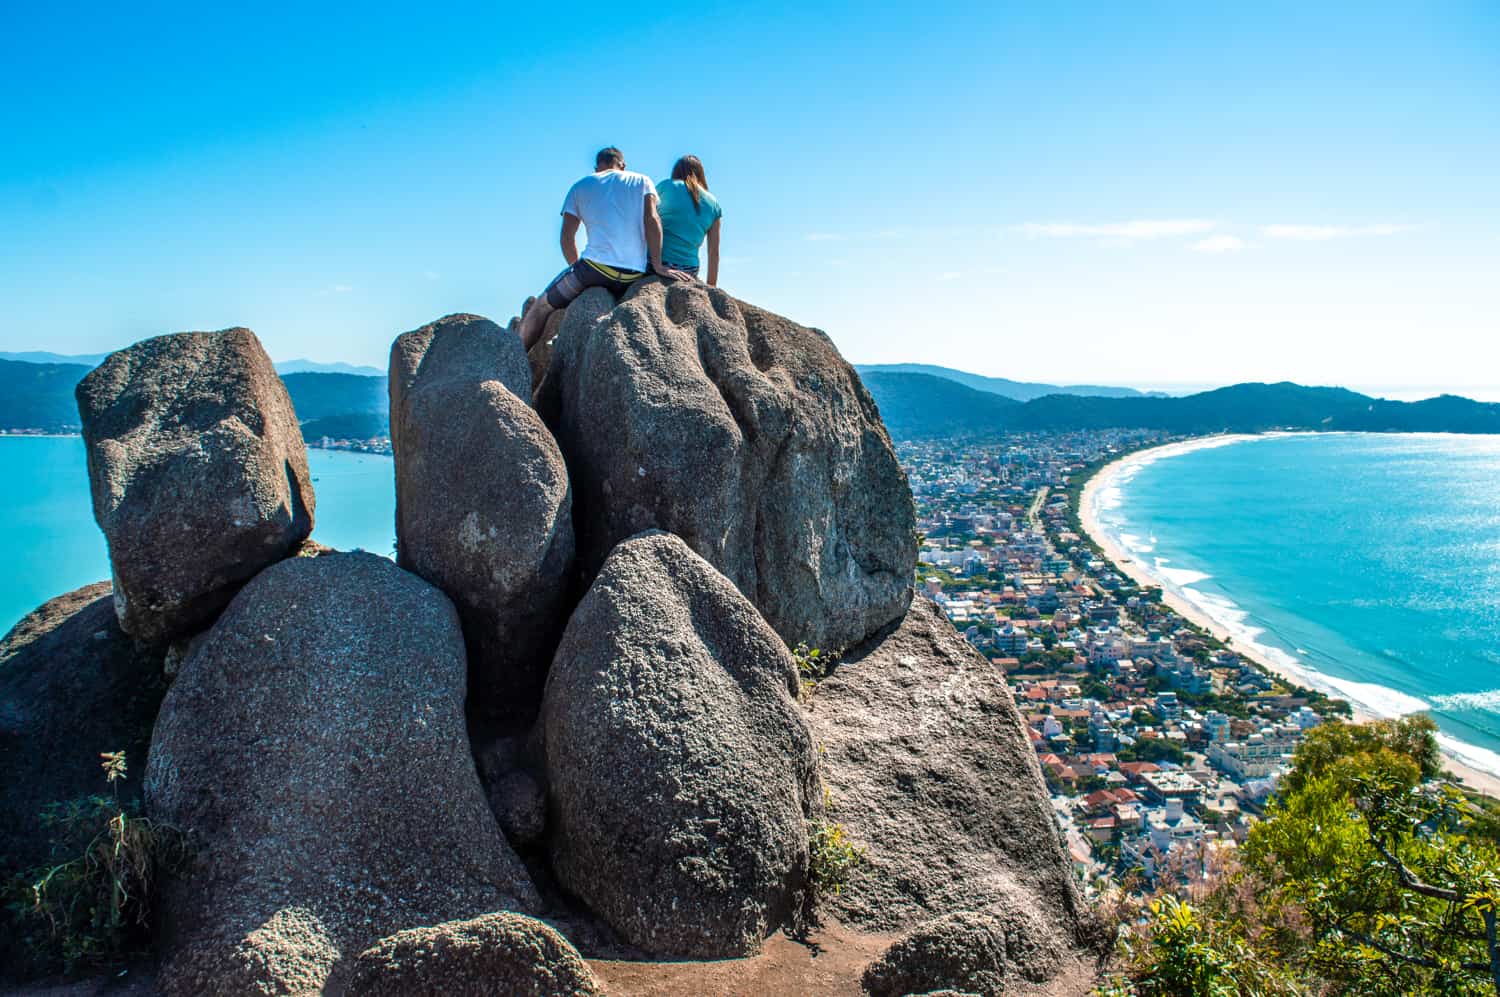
{"type": "Point", "coordinates": [1483, 759]}
{"type": "Point", "coordinates": [1487, 700]}
{"type": "Point", "coordinates": [1381, 700]}
{"type": "Point", "coordinates": [1180, 577]}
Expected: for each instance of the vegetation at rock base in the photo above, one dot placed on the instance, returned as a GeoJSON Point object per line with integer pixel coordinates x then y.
{"type": "Point", "coordinates": [833, 857]}
{"type": "Point", "coordinates": [812, 668]}
{"type": "Point", "coordinates": [91, 910]}
{"type": "Point", "coordinates": [1366, 877]}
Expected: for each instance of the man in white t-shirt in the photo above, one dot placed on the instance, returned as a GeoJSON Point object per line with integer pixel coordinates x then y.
{"type": "Point", "coordinates": [618, 208]}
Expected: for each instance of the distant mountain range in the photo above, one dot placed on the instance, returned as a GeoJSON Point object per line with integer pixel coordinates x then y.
{"type": "Point", "coordinates": [919, 406]}
{"type": "Point", "coordinates": [299, 366]}
{"type": "Point", "coordinates": [1021, 391]}
{"type": "Point", "coordinates": [314, 367]}
{"type": "Point", "coordinates": [37, 394]}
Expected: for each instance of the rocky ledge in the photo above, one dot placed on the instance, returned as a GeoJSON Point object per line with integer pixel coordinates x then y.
{"type": "Point", "coordinates": [568, 722]}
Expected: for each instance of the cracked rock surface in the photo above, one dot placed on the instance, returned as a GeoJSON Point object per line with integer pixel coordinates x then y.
{"type": "Point", "coordinates": [743, 433]}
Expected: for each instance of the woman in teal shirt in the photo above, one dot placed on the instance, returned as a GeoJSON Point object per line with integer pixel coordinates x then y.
{"type": "Point", "coordinates": [689, 215]}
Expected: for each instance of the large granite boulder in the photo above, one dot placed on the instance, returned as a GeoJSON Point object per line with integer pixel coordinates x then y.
{"type": "Point", "coordinates": [198, 471]}
{"type": "Point", "coordinates": [680, 769]}
{"type": "Point", "coordinates": [489, 956]}
{"type": "Point", "coordinates": [745, 434]}
{"type": "Point", "coordinates": [313, 747]}
{"type": "Point", "coordinates": [929, 767]}
{"type": "Point", "coordinates": [988, 954]}
{"type": "Point", "coordinates": [482, 504]}
{"type": "Point", "coordinates": [72, 685]}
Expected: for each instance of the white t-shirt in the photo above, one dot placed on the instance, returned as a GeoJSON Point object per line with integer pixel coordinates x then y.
{"type": "Point", "coordinates": [611, 204]}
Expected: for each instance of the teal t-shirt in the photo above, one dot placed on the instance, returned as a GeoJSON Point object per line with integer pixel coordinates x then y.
{"type": "Point", "coordinates": [684, 227]}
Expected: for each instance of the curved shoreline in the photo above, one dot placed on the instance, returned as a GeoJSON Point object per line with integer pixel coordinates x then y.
{"type": "Point", "coordinates": [1130, 566]}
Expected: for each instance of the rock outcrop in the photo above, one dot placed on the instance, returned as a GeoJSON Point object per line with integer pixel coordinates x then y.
{"type": "Point", "coordinates": [744, 434]}
{"type": "Point", "coordinates": [482, 503]}
{"type": "Point", "coordinates": [198, 471]}
{"type": "Point", "coordinates": [313, 747]}
{"type": "Point", "coordinates": [680, 769]}
{"type": "Point", "coordinates": [72, 685]}
{"type": "Point", "coordinates": [496, 954]}
{"type": "Point", "coordinates": [928, 765]}
{"type": "Point", "coordinates": [983, 954]}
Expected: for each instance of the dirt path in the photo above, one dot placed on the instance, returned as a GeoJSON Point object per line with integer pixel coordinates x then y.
{"type": "Point", "coordinates": [830, 962]}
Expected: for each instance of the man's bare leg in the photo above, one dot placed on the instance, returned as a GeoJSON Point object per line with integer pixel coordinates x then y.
{"type": "Point", "coordinates": [534, 322]}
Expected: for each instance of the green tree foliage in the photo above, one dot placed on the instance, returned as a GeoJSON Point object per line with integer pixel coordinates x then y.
{"type": "Point", "coordinates": [1392, 873]}
{"type": "Point", "coordinates": [1366, 877]}
{"type": "Point", "coordinates": [1179, 952]}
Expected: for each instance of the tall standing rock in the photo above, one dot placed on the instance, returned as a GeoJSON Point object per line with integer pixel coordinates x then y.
{"type": "Point", "coordinates": [314, 748]}
{"type": "Point", "coordinates": [929, 767]}
{"type": "Point", "coordinates": [483, 509]}
{"type": "Point", "coordinates": [680, 769]}
{"type": "Point", "coordinates": [744, 434]}
{"type": "Point", "coordinates": [198, 471]}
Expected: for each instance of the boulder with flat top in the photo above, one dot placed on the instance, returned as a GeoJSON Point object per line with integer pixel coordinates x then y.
{"type": "Point", "coordinates": [743, 433]}
{"type": "Point", "coordinates": [198, 471]}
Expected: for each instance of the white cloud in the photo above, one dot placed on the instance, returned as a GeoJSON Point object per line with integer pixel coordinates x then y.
{"type": "Point", "coordinates": [952, 275]}
{"type": "Point", "coordinates": [1219, 244]}
{"type": "Point", "coordinates": [1322, 233]}
{"type": "Point", "coordinates": [823, 237]}
{"type": "Point", "coordinates": [1146, 228]}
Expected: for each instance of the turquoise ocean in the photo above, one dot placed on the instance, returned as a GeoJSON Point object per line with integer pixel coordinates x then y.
{"type": "Point", "coordinates": [51, 544]}
{"type": "Point", "coordinates": [1367, 564]}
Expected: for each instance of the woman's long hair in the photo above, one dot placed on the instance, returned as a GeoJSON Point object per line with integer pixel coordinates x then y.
{"type": "Point", "coordinates": [689, 169]}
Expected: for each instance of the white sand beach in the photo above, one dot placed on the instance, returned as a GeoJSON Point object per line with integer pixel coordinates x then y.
{"type": "Point", "coordinates": [1284, 665]}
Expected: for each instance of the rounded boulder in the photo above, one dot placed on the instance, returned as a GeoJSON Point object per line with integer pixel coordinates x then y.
{"type": "Point", "coordinates": [313, 747]}
{"type": "Point", "coordinates": [681, 773]}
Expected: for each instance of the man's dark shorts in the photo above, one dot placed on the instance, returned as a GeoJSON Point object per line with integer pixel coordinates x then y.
{"type": "Point", "coordinates": [586, 274]}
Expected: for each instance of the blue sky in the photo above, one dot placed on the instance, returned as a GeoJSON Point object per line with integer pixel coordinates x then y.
{"type": "Point", "coordinates": [1141, 193]}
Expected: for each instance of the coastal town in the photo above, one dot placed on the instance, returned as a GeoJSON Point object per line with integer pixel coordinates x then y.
{"type": "Point", "coordinates": [1159, 743]}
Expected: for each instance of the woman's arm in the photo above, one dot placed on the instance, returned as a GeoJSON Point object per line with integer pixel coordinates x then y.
{"type": "Point", "coordinates": [713, 253]}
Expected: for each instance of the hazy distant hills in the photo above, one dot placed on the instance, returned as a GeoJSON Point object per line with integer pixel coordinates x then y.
{"type": "Point", "coordinates": [921, 406]}
{"type": "Point", "coordinates": [320, 396]}
{"type": "Point", "coordinates": [315, 367]}
{"type": "Point", "coordinates": [39, 395]}
{"type": "Point", "coordinates": [916, 404]}
{"type": "Point", "coordinates": [299, 366]}
{"type": "Point", "coordinates": [1021, 391]}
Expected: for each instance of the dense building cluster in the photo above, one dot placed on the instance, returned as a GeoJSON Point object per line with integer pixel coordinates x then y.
{"type": "Point", "coordinates": [1158, 742]}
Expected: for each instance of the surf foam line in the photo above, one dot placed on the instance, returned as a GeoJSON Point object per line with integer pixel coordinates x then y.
{"type": "Point", "coordinates": [1487, 700]}
{"type": "Point", "coordinates": [1370, 698]}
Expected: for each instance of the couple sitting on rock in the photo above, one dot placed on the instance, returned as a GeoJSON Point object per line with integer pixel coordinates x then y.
{"type": "Point", "coordinates": [631, 223]}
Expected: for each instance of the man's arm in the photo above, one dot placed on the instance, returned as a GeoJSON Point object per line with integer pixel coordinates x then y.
{"type": "Point", "coordinates": [713, 253]}
{"type": "Point", "coordinates": [569, 238]}
{"type": "Point", "coordinates": [652, 221]}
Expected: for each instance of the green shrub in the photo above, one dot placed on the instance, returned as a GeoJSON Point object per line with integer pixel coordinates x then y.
{"type": "Point", "coordinates": [812, 668]}
{"type": "Point", "coordinates": [833, 857]}
{"type": "Point", "coordinates": [91, 911]}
